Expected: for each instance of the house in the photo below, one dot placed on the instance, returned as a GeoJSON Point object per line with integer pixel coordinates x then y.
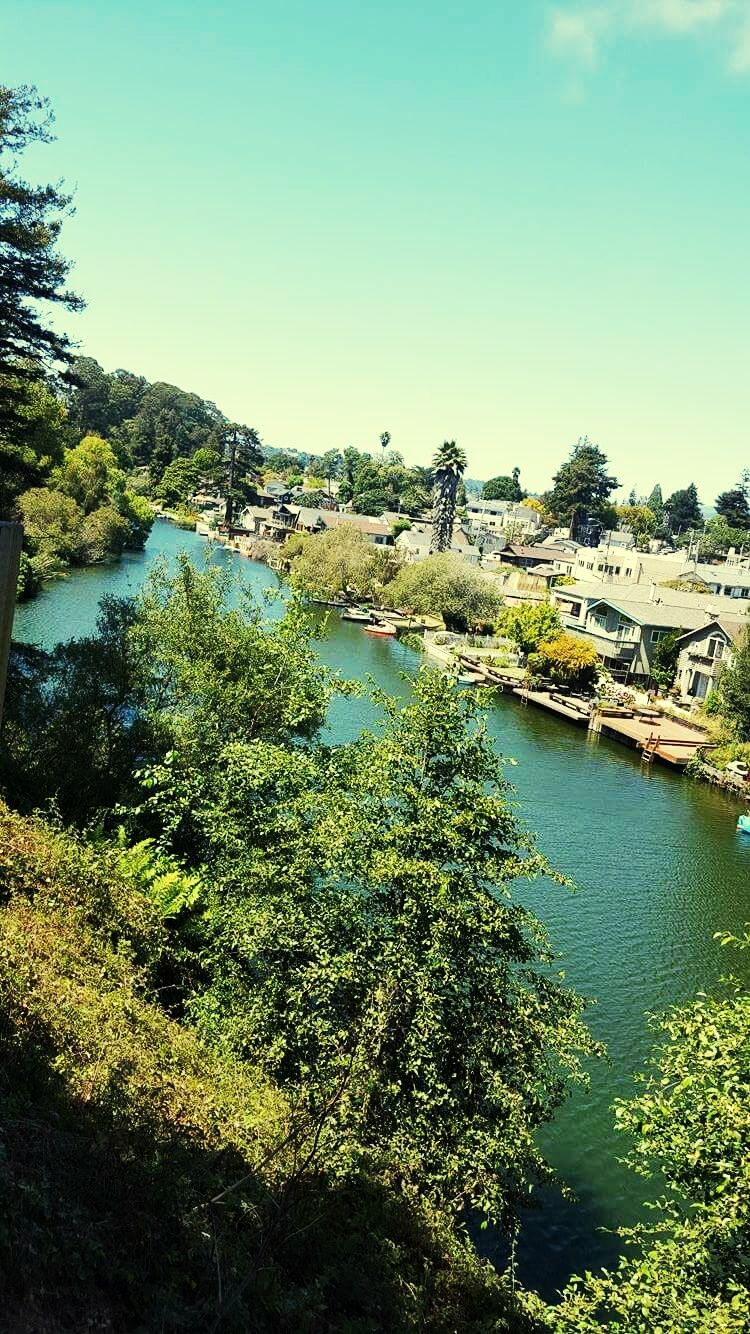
{"type": "Point", "coordinates": [525, 558]}
{"type": "Point", "coordinates": [507, 516]}
{"type": "Point", "coordinates": [626, 623]}
{"type": "Point", "coordinates": [704, 654]}
{"type": "Point", "coordinates": [274, 493]}
{"type": "Point", "coordinates": [616, 564]}
{"type": "Point", "coordinates": [729, 581]}
{"type": "Point", "coordinates": [414, 544]}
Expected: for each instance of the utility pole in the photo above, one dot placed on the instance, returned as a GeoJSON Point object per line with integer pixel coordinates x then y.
{"type": "Point", "coordinates": [11, 536]}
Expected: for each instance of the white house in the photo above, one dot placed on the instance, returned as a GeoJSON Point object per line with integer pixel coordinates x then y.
{"type": "Point", "coordinates": [704, 654]}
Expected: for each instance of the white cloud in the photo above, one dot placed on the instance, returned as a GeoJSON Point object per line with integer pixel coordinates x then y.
{"type": "Point", "coordinates": [578, 32]}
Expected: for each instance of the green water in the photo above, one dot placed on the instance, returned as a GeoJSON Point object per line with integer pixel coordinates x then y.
{"type": "Point", "coordinates": [658, 865]}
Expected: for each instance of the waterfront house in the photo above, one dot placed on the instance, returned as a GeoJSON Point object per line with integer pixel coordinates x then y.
{"type": "Point", "coordinates": [414, 544]}
{"type": "Point", "coordinates": [704, 654]}
{"type": "Point", "coordinates": [626, 623]}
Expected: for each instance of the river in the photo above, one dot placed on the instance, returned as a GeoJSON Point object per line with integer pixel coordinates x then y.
{"type": "Point", "coordinates": [657, 864]}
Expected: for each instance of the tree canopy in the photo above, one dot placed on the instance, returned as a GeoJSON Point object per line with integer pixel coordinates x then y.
{"type": "Point", "coordinates": [445, 585]}
{"type": "Point", "coordinates": [340, 562]}
{"type": "Point", "coordinates": [503, 487]}
{"type": "Point", "coordinates": [582, 487]}
{"type": "Point", "coordinates": [682, 510]}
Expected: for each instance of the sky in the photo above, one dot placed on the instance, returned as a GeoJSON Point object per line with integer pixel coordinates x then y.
{"type": "Point", "coordinates": [510, 224]}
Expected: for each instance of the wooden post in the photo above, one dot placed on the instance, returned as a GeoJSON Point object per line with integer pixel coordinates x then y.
{"type": "Point", "coordinates": [11, 535]}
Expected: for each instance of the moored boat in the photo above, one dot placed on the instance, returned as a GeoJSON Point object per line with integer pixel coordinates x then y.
{"type": "Point", "coordinates": [380, 628]}
{"type": "Point", "coordinates": [356, 614]}
{"type": "Point", "coordinates": [743, 824]}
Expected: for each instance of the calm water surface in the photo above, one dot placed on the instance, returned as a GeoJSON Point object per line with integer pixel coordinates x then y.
{"type": "Point", "coordinates": [656, 859]}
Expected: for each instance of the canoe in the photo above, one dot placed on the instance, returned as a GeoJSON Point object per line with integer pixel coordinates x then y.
{"type": "Point", "coordinates": [380, 630]}
{"type": "Point", "coordinates": [743, 824]}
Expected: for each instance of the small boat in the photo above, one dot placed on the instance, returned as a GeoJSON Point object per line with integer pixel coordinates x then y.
{"type": "Point", "coordinates": [356, 614]}
{"type": "Point", "coordinates": [743, 824]}
{"type": "Point", "coordinates": [381, 628]}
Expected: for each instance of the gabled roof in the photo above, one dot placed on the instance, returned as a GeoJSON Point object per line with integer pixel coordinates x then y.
{"type": "Point", "coordinates": [732, 630]}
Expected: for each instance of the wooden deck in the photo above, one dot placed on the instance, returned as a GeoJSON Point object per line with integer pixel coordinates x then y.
{"type": "Point", "coordinates": [675, 743]}
{"type": "Point", "coordinates": [543, 699]}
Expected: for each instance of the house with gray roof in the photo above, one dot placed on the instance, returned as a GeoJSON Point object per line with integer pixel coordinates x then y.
{"type": "Point", "coordinates": [705, 653]}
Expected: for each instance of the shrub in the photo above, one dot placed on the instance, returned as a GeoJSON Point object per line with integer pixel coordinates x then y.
{"type": "Point", "coordinates": [567, 660]}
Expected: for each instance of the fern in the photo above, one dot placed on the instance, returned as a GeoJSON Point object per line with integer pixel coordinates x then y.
{"type": "Point", "coordinates": [171, 889]}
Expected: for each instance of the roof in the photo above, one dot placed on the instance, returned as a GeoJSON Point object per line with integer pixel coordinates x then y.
{"type": "Point", "coordinates": [529, 553]}
{"type": "Point", "coordinates": [607, 591]}
{"type": "Point", "coordinates": [733, 630]}
{"type": "Point", "coordinates": [720, 574]}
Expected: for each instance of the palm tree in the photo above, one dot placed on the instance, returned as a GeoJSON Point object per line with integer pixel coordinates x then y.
{"type": "Point", "coordinates": [447, 470]}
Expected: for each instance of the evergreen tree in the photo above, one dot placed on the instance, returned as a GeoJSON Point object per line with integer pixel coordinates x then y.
{"type": "Point", "coordinates": [243, 455]}
{"type": "Point", "coordinates": [733, 505]}
{"type": "Point", "coordinates": [448, 468]}
{"type": "Point", "coordinates": [734, 690]}
{"type": "Point", "coordinates": [682, 510]}
{"type": "Point", "coordinates": [582, 487]}
{"type": "Point", "coordinates": [31, 269]}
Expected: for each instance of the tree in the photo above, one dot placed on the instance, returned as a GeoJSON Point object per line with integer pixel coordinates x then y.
{"type": "Point", "coordinates": [53, 524]}
{"type": "Point", "coordinates": [209, 464]}
{"type": "Point", "coordinates": [567, 660]}
{"type": "Point", "coordinates": [377, 940]}
{"type": "Point", "coordinates": [104, 534]}
{"type": "Point", "coordinates": [340, 562]}
{"type": "Point", "coordinates": [330, 466]}
{"type": "Point", "coordinates": [179, 480]}
{"type": "Point", "coordinates": [582, 487]}
{"type": "Point", "coordinates": [733, 505]}
{"type": "Point", "coordinates": [664, 661]}
{"type": "Point", "coordinates": [715, 539]}
{"type": "Point", "coordinates": [640, 520]}
{"type": "Point", "coordinates": [243, 456]}
{"type": "Point", "coordinates": [31, 441]}
{"type": "Point", "coordinates": [32, 271]}
{"type": "Point", "coordinates": [87, 473]}
{"type": "Point", "coordinates": [734, 689]}
{"type": "Point", "coordinates": [445, 585]}
{"type": "Point", "coordinates": [529, 623]}
{"type": "Point", "coordinates": [690, 1132]}
{"type": "Point", "coordinates": [448, 468]}
{"type": "Point", "coordinates": [503, 487]}
{"type": "Point", "coordinates": [682, 510]}
{"type": "Point", "coordinates": [655, 502]}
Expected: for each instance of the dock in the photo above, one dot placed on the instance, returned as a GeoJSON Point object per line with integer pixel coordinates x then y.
{"type": "Point", "coordinates": [572, 711]}
{"type": "Point", "coordinates": [662, 738]}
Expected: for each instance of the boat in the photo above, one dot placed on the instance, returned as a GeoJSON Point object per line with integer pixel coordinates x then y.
{"type": "Point", "coordinates": [381, 628]}
{"type": "Point", "coordinates": [743, 824]}
{"type": "Point", "coordinates": [356, 614]}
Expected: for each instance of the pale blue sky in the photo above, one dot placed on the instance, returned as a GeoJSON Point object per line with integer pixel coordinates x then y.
{"type": "Point", "coordinates": [510, 223]}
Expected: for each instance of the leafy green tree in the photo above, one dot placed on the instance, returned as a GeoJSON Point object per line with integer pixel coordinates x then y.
{"type": "Point", "coordinates": [445, 585]}
{"type": "Point", "coordinates": [33, 273]}
{"type": "Point", "coordinates": [734, 690]}
{"type": "Point", "coordinates": [528, 624]}
{"type": "Point", "coordinates": [664, 662]}
{"type": "Point", "coordinates": [340, 562]}
{"type": "Point", "coordinates": [138, 515]}
{"type": "Point", "coordinates": [733, 505]}
{"type": "Point", "coordinates": [690, 1129]}
{"type": "Point", "coordinates": [715, 538]}
{"type": "Point", "coordinates": [448, 468]}
{"type": "Point", "coordinates": [582, 486]}
{"type": "Point", "coordinates": [53, 524]}
{"type": "Point", "coordinates": [655, 502]}
{"type": "Point", "coordinates": [209, 464]}
{"type": "Point", "coordinates": [640, 520]}
{"type": "Point", "coordinates": [330, 465]}
{"type": "Point", "coordinates": [104, 534]}
{"type": "Point", "coordinates": [87, 473]}
{"type": "Point", "coordinates": [682, 510]}
{"type": "Point", "coordinates": [503, 487]}
{"type": "Point", "coordinates": [32, 440]}
{"type": "Point", "coordinates": [368, 941]}
{"type": "Point", "coordinates": [178, 481]}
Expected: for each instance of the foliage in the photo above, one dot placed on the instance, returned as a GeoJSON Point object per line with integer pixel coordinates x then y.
{"type": "Point", "coordinates": [640, 520]}
{"type": "Point", "coordinates": [715, 539]}
{"type": "Point", "coordinates": [664, 659]}
{"type": "Point", "coordinates": [567, 660]}
{"type": "Point", "coordinates": [104, 534]}
{"type": "Point", "coordinates": [86, 473]}
{"type": "Point", "coordinates": [503, 488]}
{"type": "Point", "coordinates": [53, 524]}
{"type": "Point", "coordinates": [734, 689]}
{"type": "Point", "coordinates": [33, 273]}
{"type": "Point", "coordinates": [31, 441]}
{"type": "Point", "coordinates": [243, 458]}
{"type": "Point", "coordinates": [582, 486]}
{"type": "Point", "coordinates": [682, 510]}
{"type": "Point", "coordinates": [340, 562]}
{"type": "Point", "coordinates": [733, 506]}
{"type": "Point", "coordinates": [528, 623]}
{"type": "Point", "coordinates": [178, 481]}
{"type": "Point", "coordinates": [691, 1129]}
{"type": "Point", "coordinates": [366, 973]}
{"type": "Point", "coordinates": [445, 585]}
{"type": "Point", "coordinates": [448, 466]}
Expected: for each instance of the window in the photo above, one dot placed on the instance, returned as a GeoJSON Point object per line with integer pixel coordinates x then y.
{"type": "Point", "coordinates": [715, 648]}
{"type": "Point", "coordinates": [625, 628]}
{"type": "Point", "coordinates": [656, 635]}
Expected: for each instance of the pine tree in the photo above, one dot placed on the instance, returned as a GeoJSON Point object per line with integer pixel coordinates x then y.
{"type": "Point", "coordinates": [243, 456]}
{"type": "Point", "coordinates": [448, 468]}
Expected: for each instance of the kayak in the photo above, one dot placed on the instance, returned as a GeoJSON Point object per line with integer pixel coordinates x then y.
{"type": "Point", "coordinates": [743, 824]}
